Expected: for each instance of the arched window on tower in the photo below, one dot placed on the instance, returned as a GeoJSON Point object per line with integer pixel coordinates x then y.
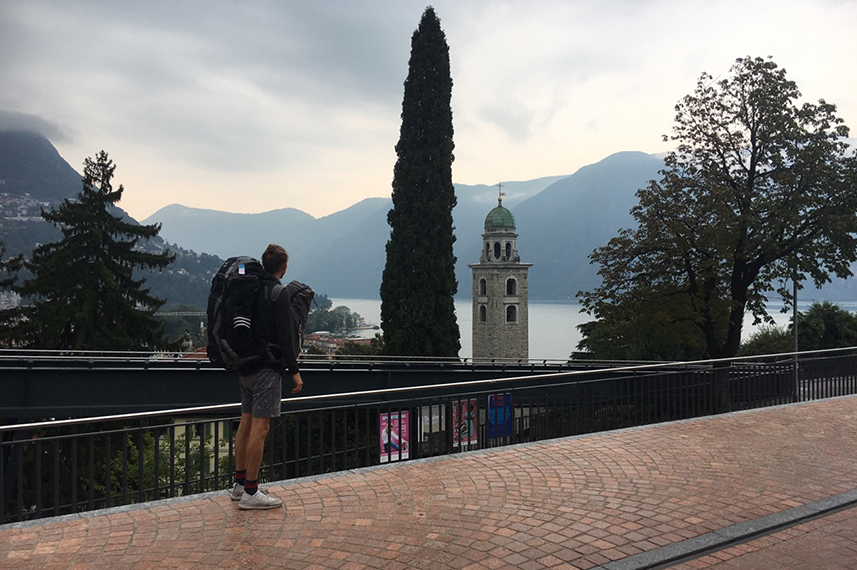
{"type": "Point", "coordinates": [483, 314]}
{"type": "Point", "coordinates": [483, 287]}
{"type": "Point", "coordinates": [497, 250]}
{"type": "Point", "coordinates": [487, 249]}
{"type": "Point", "coordinates": [511, 314]}
{"type": "Point", "coordinates": [511, 286]}
{"type": "Point", "coordinates": [508, 250]}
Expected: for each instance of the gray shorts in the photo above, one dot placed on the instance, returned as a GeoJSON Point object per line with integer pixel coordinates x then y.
{"type": "Point", "coordinates": [261, 393]}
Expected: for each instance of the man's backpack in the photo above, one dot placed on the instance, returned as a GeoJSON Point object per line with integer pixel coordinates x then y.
{"type": "Point", "coordinates": [300, 297]}
{"type": "Point", "coordinates": [236, 289]}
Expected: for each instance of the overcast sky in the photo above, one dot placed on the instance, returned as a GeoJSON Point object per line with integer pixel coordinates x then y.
{"type": "Point", "coordinates": [252, 106]}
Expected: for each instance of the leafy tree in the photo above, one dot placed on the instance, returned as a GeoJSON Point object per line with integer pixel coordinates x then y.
{"type": "Point", "coordinates": [322, 300]}
{"type": "Point", "coordinates": [375, 347]}
{"type": "Point", "coordinates": [824, 325]}
{"type": "Point", "coordinates": [652, 331]}
{"type": "Point", "coordinates": [418, 285]}
{"type": "Point", "coordinates": [769, 339]}
{"type": "Point", "coordinates": [83, 293]}
{"type": "Point", "coordinates": [758, 191]}
{"type": "Point", "coordinates": [339, 319]}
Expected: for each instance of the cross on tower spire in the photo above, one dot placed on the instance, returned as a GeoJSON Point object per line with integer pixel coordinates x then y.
{"type": "Point", "coordinates": [501, 194]}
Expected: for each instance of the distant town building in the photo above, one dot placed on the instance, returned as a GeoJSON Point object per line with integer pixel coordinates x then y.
{"type": "Point", "coordinates": [331, 343]}
{"type": "Point", "coordinates": [500, 291]}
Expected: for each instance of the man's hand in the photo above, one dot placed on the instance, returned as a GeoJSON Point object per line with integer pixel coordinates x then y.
{"type": "Point", "coordinates": [299, 383]}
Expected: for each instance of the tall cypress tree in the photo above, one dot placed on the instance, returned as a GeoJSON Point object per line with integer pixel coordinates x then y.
{"type": "Point", "coordinates": [83, 294]}
{"type": "Point", "coordinates": [418, 285]}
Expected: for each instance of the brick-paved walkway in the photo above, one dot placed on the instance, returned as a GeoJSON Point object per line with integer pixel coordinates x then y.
{"type": "Point", "coordinates": [572, 503]}
{"type": "Point", "coordinates": [828, 543]}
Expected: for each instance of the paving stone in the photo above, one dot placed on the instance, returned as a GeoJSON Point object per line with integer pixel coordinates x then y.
{"type": "Point", "coordinates": [582, 502]}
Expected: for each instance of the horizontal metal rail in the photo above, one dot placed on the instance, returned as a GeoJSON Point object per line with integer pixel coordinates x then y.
{"type": "Point", "coordinates": [66, 466]}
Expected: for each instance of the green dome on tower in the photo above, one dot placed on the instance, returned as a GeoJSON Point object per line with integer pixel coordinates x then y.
{"type": "Point", "coordinates": [499, 217]}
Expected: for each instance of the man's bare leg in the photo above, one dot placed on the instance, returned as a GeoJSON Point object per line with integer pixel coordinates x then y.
{"type": "Point", "coordinates": [254, 446]}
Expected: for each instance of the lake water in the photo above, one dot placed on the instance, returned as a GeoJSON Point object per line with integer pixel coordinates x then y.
{"type": "Point", "coordinates": [553, 335]}
{"type": "Point", "coordinates": [553, 325]}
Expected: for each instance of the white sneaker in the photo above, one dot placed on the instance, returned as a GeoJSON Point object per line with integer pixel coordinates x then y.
{"type": "Point", "coordinates": [258, 500]}
{"type": "Point", "coordinates": [237, 490]}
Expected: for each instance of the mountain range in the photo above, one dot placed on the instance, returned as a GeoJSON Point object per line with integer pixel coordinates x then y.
{"type": "Point", "coordinates": [560, 221]}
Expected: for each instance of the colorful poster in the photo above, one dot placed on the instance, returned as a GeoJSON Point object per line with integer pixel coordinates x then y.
{"type": "Point", "coordinates": [500, 415]}
{"type": "Point", "coordinates": [394, 436]}
{"type": "Point", "coordinates": [464, 414]}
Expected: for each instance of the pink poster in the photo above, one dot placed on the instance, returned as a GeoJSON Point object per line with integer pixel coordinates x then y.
{"type": "Point", "coordinates": [394, 436]}
{"type": "Point", "coordinates": [464, 414]}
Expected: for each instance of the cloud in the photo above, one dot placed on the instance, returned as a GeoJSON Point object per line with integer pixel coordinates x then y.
{"type": "Point", "coordinates": [13, 121]}
{"type": "Point", "coordinates": [298, 103]}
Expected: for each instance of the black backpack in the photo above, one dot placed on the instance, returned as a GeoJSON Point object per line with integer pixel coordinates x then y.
{"type": "Point", "coordinates": [300, 298]}
{"type": "Point", "coordinates": [236, 289]}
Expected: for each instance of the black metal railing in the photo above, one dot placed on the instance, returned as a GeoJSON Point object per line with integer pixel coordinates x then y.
{"type": "Point", "coordinates": [60, 467]}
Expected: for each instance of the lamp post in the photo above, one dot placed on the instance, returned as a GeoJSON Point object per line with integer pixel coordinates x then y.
{"type": "Point", "coordinates": [794, 325]}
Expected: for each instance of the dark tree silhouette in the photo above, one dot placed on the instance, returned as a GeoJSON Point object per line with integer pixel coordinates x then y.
{"type": "Point", "coordinates": [418, 285]}
{"type": "Point", "coordinates": [82, 294]}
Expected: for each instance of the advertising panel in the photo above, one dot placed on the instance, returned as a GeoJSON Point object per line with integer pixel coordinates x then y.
{"type": "Point", "coordinates": [394, 436]}
{"type": "Point", "coordinates": [500, 415]}
{"type": "Point", "coordinates": [464, 421]}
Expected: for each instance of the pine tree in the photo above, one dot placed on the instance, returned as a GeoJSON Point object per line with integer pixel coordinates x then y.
{"type": "Point", "coordinates": [418, 285]}
{"type": "Point", "coordinates": [82, 291]}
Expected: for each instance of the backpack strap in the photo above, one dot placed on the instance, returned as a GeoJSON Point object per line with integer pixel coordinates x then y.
{"type": "Point", "coordinates": [271, 294]}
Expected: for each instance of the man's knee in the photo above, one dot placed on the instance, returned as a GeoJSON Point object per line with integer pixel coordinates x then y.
{"type": "Point", "coordinates": [260, 426]}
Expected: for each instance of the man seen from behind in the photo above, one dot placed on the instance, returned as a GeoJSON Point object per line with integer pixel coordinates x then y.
{"type": "Point", "coordinates": [261, 384]}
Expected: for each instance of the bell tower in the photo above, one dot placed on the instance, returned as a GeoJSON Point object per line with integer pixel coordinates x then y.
{"type": "Point", "coordinates": [500, 305]}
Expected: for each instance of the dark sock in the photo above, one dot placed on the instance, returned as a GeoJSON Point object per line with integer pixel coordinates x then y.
{"type": "Point", "coordinates": [241, 476]}
{"type": "Point", "coordinates": [250, 487]}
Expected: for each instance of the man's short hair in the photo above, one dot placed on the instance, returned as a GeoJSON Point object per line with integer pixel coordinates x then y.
{"type": "Point", "coordinates": [274, 258]}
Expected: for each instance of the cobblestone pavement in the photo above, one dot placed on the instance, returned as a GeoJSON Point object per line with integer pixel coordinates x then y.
{"type": "Point", "coordinates": [572, 503]}
{"type": "Point", "coordinates": [827, 543]}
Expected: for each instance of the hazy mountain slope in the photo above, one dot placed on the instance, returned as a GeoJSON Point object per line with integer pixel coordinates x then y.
{"type": "Point", "coordinates": [561, 226]}
{"type": "Point", "coordinates": [226, 234]}
{"type": "Point", "coordinates": [29, 164]}
{"type": "Point", "coordinates": [349, 261]}
{"type": "Point", "coordinates": [560, 220]}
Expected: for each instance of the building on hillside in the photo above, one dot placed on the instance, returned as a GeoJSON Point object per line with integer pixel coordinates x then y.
{"type": "Point", "coordinates": [500, 291]}
{"type": "Point", "coordinates": [330, 343]}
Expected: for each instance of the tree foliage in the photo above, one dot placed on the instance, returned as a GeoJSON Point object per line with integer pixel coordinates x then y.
{"type": "Point", "coordinates": [375, 347]}
{"type": "Point", "coordinates": [82, 293]}
{"type": "Point", "coordinates": [418, 285]}
{"type": "Point", "coordinates": [824, 325]}
{"type": "Point", "coordinates": [769, 339]}
{"type": "Point", "coordinates": [759, 190]}
{"type": "Point", "coordinates": [652, 330]}
{"type": "Point", "coordinates": [340, 319]}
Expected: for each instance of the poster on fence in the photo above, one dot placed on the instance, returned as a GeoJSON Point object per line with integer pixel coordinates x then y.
{"type": "Point", "coordinates": [394, 436]}
{"type": "Point", "coordinates": [500, 415]}
{"type": "Point", "coordinates": [464, 414]}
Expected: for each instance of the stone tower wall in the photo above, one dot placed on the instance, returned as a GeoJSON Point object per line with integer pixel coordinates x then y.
{"type": "Point", "coordinates": [495, 335]}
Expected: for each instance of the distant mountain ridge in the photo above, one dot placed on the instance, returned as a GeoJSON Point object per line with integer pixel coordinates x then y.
{"type": "Point", "coordinates": [29, 164]}
{"type": "Point", "coordinates": [560, 221]}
